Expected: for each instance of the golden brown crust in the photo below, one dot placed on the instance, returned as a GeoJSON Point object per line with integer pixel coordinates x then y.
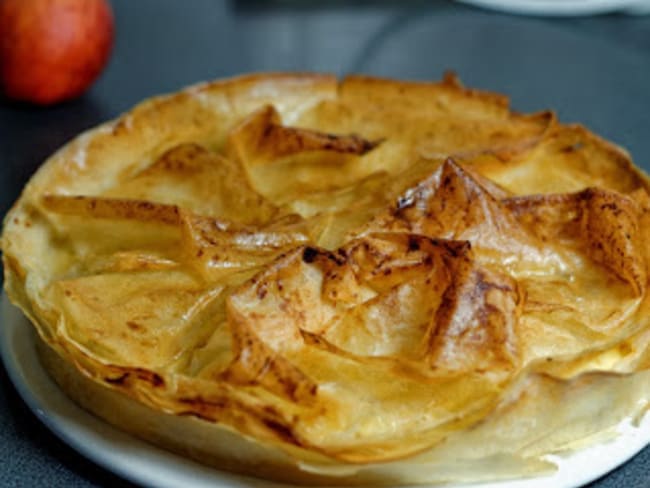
{"type": "Point", "coordinates": [352, 276]}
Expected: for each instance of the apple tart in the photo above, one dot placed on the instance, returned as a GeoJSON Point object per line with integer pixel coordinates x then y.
{"type": "Point", "coordinates": [363, 281]}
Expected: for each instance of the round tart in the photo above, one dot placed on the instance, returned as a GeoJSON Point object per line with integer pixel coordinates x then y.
{"type": "Point", "coordinates": [363, 281]}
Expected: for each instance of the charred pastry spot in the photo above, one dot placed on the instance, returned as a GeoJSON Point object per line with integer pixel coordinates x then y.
{"type": "Point", "coordinates": [572, 147]}
{"type": "Point", "coordinates": [157, 380]}
{"type": "Point", "coordinates": [154, 378]}
{"type": "Point", "coordinates": [268, 130]}
{"type": "Point", "coordinates": [609, 206]}
{"type": "Point", "coordinates": [456, 251]}
{"type": "Point", "coordinates": [413, 244]}
{"type": "Point", "coordinates": [200, 253]}
{"type": "Point", "coordinates": [203, 409]}
{"type": "Point", "coordinates": [284, 432]}
{"type": "Point", "coordinates": [309, 255]}
{"type": "Point", "coordinates": [370, 145]}
{"type": "Point", "coordinates": [270, 411]}
{"type": "Point", "coordinates": [262, 291]}
{"type": "Point", "coordinates": [335, 258]}
{"type": "Point", "coordinates": [134, 326]}
{"type": "Point", "coordinates": [145, 205]}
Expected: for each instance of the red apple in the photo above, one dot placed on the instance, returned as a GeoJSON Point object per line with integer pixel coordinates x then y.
{"type": "Point", "coordinates": [52, 50]}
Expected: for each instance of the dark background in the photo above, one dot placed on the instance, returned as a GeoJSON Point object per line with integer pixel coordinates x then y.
{"type": "Point", "coordinates": [595, 70]}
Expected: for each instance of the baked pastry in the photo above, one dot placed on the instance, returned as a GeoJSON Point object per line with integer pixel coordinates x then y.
{"type": "Point", "coordinates": [367, 281]}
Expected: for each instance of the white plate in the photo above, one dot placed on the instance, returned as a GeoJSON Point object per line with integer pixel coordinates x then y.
{"type": "Point", "coordinates": [564, 7]}
{"type": "Point", "coordinates": [147, 465]}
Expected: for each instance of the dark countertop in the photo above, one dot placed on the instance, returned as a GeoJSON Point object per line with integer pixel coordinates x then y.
{"type": "Point", "coordinates": [595, 70]}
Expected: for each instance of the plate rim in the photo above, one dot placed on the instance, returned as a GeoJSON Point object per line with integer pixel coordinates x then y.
{"type": "Point", "coordinates": [563, 8]}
